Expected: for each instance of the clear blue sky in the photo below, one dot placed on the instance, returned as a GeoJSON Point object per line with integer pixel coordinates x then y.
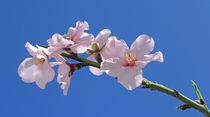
{"type": "Point", "coordinates": [180, 28]}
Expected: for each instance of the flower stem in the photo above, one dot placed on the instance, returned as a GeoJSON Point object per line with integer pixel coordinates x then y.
{"type": "Point", "coordinates": [174, 93]}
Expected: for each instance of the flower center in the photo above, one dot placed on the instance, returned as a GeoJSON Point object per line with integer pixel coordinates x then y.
{"type": "Point", "coordinates": [129, 61]}
{"type": "Point", "coordinates": [72, 38]}
{"type": "Point", "coordinates": [39, 61]}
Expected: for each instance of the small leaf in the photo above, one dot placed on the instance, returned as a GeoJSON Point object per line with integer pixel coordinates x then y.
{"type": "Point", "coordinates": [197, 91]}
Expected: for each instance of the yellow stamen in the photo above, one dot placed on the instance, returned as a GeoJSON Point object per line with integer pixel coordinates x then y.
{"type": "Point", "coordinates": [39, 61]}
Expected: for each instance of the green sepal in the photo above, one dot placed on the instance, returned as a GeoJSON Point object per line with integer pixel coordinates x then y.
{"type": "Point", "coordinates": [94, 47]}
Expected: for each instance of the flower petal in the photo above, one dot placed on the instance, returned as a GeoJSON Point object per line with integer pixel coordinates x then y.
{"type": "Point", "coordinates": [81, 39]}
{"type": "Point", "coordinates": [64, 75]}
{"type": "Point", "coordinates": [26, 70]}
{"type": "Point", "coordinates": [78, 31]}
{"type": "Point", "coordinates": [31, 49]}
{"type": "Point", "coordinates": [63, 69]}
{"type": "Point", "coordinates": [36, 52]}
{"type": "Point", "coordinates": [130, 81]}
{"type": "Point", "coordinates": [44, 74]}
{"type": "Point", "coordinates": [65, 81]}
{"type": "Point", "coordinates": [102, 37]}
{"type": "Point", "coordinates": [142, 45]}
{"type": "Point", "coordinates": [112, 63]}
{"type": "Point", "coordinates": [112, 66]}
{"type": "Point", "coordinates": [158, 56]}
{"type": "Point", "coordinates": [83, 44]}
{"type": "Point", "coordinates": [52, 64]}
{"type": "Point", "coordinates": [114, 48]}
{"type": "Point", "coordinates": [82, 25]}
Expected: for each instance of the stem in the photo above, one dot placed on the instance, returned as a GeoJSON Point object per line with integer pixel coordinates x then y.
{"type": "Point", "coordinates": [80, 59]}
{"type": "Point", "coordinates": [174, 93]}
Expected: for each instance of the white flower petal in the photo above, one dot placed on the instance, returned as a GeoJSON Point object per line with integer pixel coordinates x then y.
{"type": "Point", "coordinates": [112, 63]}
{"type": "Point", "coordinates": [36, 52]}
{"type": "Point", "coordinates": [114, 72]}
{"type": "Point", "coordinates": [65, 80]}
{"type": "Point", "coordinates": [78, 31]}
{"type": "Point", "coordinates": [112, 66]}
{"type": "Point", "coordinates": [63, 69]}
{"type": "Point", "coordinates": [102, 37]}
{"type": "Point", "coordinates": [26, 70]}
{"type": "Point", "coordinates": [158, 56]}
{"type": "Point", "coordinates": [81, 39]}
{"type": "Point", "coordinates": [130, 81]}
{"type": "Point", "coordinates": [64, 75]}
{"type": "Point", "coordinates": [142, 45]}
{"type": "Point", "coordinates": [114, 48]}
{"type": "Point", "coordinates": [52, 64]}
{"type": "Point", "coordinates": [81, 47]}
{"type": "Point", "coordinates": [44, 75]}
{"type": "Point", "coordinates": [31, 49]}
{"type": "Point", "coordinates": [95, 71]}
{"type": "Point", "coordinates": [83, 25]}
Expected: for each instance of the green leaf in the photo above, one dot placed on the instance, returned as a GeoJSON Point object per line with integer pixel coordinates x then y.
{"type": "Point", "coordinates": [197, 91]}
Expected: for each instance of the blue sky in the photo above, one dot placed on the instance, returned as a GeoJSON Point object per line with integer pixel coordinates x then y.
{"type": "Point", "coordinates": [180, 28]}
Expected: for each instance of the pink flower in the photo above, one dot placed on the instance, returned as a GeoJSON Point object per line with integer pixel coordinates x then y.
{"type": "Point", "coordinates": [65, 72]}
{"type": "Point", "coordinates": [98, 46]}
{"type": "Point", "coordinates": [111, 45]}
{"type": "Point", "coordinates": [126, 64]}
{"type": "Point", "coordinates": [36, 69]}
{"type": "Point", "coordinates": [82, 40]}
{"type": "Point", "coordinates": [57, 43]}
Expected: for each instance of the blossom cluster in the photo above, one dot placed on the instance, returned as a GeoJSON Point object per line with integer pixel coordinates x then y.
{"type": "Point", "coordinates": [114, 56]}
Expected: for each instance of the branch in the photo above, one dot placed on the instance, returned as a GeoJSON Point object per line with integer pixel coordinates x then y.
{"type": "Point", "coordinates": [174, 93]}
{"type": "Point", "coordinates": [148, 84]}
{"type": "Point", "coordinates": [80, 59]}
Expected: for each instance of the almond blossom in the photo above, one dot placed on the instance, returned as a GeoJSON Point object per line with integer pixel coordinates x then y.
{"type": "Point", "coordinates": [36, 69]}
{"type": "Point", "coordinates": [97, 47]}
{"type": "Point", "coordinates": [126, 64]}
{"type": "Point", "coordinates": [110, 45]}
{"type": "Point", "coordinates": [81, 39]}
